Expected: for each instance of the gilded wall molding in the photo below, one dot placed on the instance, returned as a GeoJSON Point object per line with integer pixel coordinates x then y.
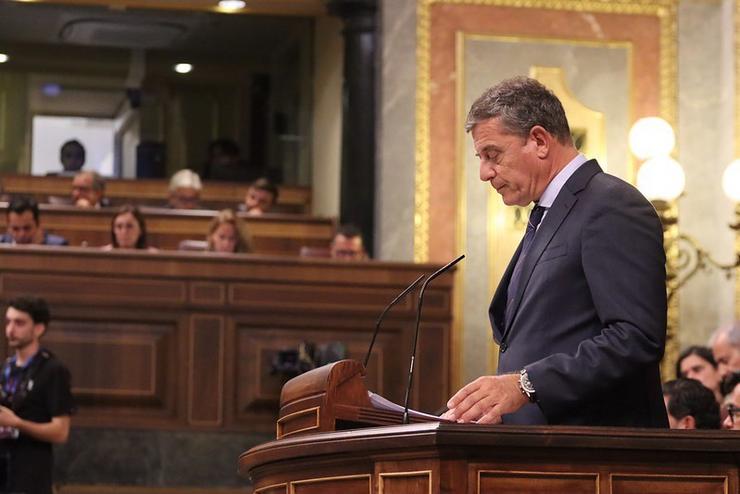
{"type": "Point", "coordinates": [664, 10]}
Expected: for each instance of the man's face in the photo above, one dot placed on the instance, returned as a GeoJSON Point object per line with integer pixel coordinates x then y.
{"type": "Point", "coordinates": [727, 356]}
{"type": "Point", "coordinates": [23, 228]}
{"type": "Point", "coordinates": [695, 367]}
{"type": "Point", "coordinates": [185, 198]}
{"type": "Point", "coordinates": [348, 248]}
{"type": "Point", "coordinates": [20, 330]}
{"type": "Point", "coordinates": [258, 200]}
{"type": "Point", "coordinates": [73, 158]}
{"type": "Point", "coordinates": [509, 163]}
{"type": "Point", "coordinates": [83, 193]}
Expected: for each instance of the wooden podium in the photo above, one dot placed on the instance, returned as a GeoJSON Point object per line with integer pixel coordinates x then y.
{"type": "Point", "coordinates": [313, 454]}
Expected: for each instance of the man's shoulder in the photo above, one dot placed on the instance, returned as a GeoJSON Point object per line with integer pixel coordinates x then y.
{"type": "Point", "coordinates": [6, 239]}
{"type": "Point", "coordinates": [51, 239]}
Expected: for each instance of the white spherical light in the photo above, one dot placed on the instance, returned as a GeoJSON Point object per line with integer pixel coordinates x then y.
{"type": "Point", "coordinates": [731, 181]}
{"type": "Point", "coordinates": [650, 137]}
{"type": "Point", "coordinates": [661, 178]}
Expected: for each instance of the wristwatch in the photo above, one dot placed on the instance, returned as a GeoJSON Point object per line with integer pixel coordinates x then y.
{"type": "Point", "coordinates": [526, 387]}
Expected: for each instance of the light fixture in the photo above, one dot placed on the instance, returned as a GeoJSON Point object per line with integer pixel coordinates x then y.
{"type": "Point", "coordinates": [731, 181]}
{"type": "Point", "coordinates": [232, 4]}
{"type": "Point", "coordinates": [183, 68]}
{"type": "Point", "coordinates": [661, 178]}
{"type": "Point", "coordinates": [650, 137]}
{"type": "Point", "coordinates": [4, 58]}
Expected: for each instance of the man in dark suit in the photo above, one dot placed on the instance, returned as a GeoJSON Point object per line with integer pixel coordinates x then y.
{"type": "Point", "coordinates": [22, 219]}
{"type": "Point", "coordinates": [580, 313]}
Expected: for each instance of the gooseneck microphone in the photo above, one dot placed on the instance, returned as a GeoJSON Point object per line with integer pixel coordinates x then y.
{"type": "Point", "coordinates": [385, 311]}
{"type": "Point", "coordinates": [416, 333]}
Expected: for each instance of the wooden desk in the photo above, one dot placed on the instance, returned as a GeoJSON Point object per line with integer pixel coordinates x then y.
{"type": "Point", "coordinates": [186, 340]}
{"type": "Point", "coordinates": [458, 459]}
{"type": "Point", "coordinates": [153, 192]}
{"type": "Point", "coordinates": [279, 234]}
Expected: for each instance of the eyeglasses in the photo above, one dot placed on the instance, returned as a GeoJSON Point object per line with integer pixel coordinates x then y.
{"type": "Point", "coordinates": [734, 413]}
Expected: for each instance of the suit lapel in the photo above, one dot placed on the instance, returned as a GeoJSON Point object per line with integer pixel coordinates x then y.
{"type": "Point", "coordinates": [564, 202]}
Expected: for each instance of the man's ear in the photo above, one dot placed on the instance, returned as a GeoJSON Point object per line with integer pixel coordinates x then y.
{"type": "Point", "coordinates": [688, 422]}
{"type": "Point", "coordinates": [542, 139]}
{"type": "Point", "coordinates": [39, 329]}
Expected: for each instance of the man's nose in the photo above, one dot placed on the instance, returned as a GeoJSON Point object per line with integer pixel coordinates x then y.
{"type": "Point", "coordinates": [486, 172]}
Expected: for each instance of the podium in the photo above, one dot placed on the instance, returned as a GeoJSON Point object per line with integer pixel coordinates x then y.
{"type": "Point", "coordinates": [332, 397]}
{"type": "Point", "coordinates": [315, 455]}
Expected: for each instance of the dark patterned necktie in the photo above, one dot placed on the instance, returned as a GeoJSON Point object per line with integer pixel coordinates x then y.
{"type": "Point", "coordinates": [534, 219]}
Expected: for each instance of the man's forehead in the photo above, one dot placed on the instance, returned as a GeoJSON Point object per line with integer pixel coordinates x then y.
{"type": "Point", "coordinates": [13, 313]}
{"type": "Point", "coordinates": [23, 216]}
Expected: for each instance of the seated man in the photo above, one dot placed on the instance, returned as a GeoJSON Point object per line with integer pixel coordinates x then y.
{"type": "Point", "coordinates": [725, 344]}
{"type": "Point", "coordinates": [88, 190]}
{"type": "Point", "coordinates": [261, 197]}
{"type": "Point", "coordinates": [22, 219]}
{"type": "Point", "coordinates": [732, 389]}
{"type": "Point", "coordinates": [347, 244]}
{"type": "Point", "coordinates": [72, 156]}
{"type": "Point", "coordinates": [185, 187]}
{"type": "Point", "coordinates": [690, 405]}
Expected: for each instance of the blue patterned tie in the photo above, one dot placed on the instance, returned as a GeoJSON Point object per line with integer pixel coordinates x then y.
{"type": "Point", "coordinates": [534, 219]}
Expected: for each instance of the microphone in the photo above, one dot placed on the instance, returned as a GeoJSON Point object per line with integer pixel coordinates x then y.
{"type": "Point", "coordinates": [416, 334]}
{"type": "Point", "coordinates": [385, 311]}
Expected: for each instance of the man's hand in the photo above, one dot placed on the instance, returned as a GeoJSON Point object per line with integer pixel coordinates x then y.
{"type": "Point", "coordinates": [486, 399]}
{"type": "Point", "coordinates": [8, 418]}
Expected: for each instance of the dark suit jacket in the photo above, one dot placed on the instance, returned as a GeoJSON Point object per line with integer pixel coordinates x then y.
{"type": "Point", "coordinates": [589, 320]}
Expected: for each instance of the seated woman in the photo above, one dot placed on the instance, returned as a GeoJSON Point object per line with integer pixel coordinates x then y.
{"type": "Point", "coordinates": [128, 230]}
{"type": "Point", "coordinates": [227, 233]}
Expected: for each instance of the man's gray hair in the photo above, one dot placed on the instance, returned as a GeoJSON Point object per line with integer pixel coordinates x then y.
{"type": "Point", "coordinates": [732, 331]}
{"type": "Point", "coordinates": [521, 103]}
{"type": "Point", "coordinates": [187, 179]}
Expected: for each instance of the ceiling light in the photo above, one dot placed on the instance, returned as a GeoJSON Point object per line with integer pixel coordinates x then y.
{"type": "Point", "coordinates": [4, 58]}
{"type": "Point", "coordinates": [232, 4]}
{"type": "Point", "coordinates": [183, 68]}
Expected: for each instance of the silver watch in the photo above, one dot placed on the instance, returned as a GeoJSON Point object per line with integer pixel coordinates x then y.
{"type": "Point", "coordinates": [526, 387]}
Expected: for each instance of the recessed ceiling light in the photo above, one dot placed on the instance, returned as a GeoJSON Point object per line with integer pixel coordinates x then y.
{"type": "Point", "coordinates": [232, 4]}
{"type": "Point", "coordinates": [4, 58]}
{"type": "Point", "coordinates": [183, 68]}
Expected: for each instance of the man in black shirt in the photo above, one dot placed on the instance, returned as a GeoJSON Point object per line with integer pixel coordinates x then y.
{"type": "Point", "coordinates": [35, 401]}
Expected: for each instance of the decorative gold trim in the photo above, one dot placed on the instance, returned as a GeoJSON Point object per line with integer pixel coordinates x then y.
{"type": "Point", "coordinates": [725, 478]}
{"type": "Point", "coordinates": [327, 479]}
{"type": "Point", "coordinates": [540, 473]}
{"type": "Point", "coordinates": [665, 10]}
{"type": "Point", "coordinates": [307, 411]}
{"type": "Point", "coordinates": [273, 486]}
{"type": "Point", "coordinates": [381, 485]}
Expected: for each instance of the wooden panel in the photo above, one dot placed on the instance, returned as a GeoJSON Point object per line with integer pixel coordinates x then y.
{"type": "Point", "coordinates": [206, 383]}
{"type": "Point", "coordinates": [502, 482]}
{"type": "Point", "coordinates": [353, 484]}
{"type": "Point", "coordinates": [405, 482]}
{"type": "Point", "coordinates": [675, 484]}
{"type": "Point", "coordinates": [138, 489]}
{"type": "Point", "coordinates": [207, 293]}
{"type": "Point", "coordinates": [273, 489]}
{"type": "Point", "coordinates": [153, 192]}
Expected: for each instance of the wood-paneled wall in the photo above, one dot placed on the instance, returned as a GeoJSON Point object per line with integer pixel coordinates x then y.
{"type": "Point", "coordinates": [186, 340]}
{"type": "Point", "coordinates": [279, 234]}
{"type": "Point", "coordinates": [154, 192]}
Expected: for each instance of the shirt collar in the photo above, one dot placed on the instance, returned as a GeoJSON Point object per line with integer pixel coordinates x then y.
{"type": "Point", "coordinates": [553, 188]}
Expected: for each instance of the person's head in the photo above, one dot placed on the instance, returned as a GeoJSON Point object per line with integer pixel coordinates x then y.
{"type": "Point", "coordinates": [223, 152]}
{"type": "Point", "coordinates": [725, 343]}
{"type": "Point", "coordinates": [227, 233]}
{"type": "Point", "coordinates": [697, 362]}
{"type": "Point", "coordinates": [732, 389]}
{"type": "Point", "coordinates": [347, 244]}
{"type": "Point", "coordinates": [261, 196]}
{"type": "Point", "coordinates": [185, 187]}
{"type": "Point", "coordinates": [128, 229]}
{"type": "Point", "coordinates": [22, 217]}
{"type": "Point", "coordinates": [26, 319]}
{"type": "Point", "coordinates": [72, 155]}
{"type": "Point", "coordinates": [690, 405]}
{"type": "Point", "coordinates": [88, 188]}
{"type": "Point", "coordinates": [522, 138]}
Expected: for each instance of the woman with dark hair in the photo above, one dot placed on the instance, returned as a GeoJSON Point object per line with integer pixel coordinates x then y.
{"type": "Point", "coordinates": [697, 362]}
{"type": "Point", "coordinates": [128, 230]}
